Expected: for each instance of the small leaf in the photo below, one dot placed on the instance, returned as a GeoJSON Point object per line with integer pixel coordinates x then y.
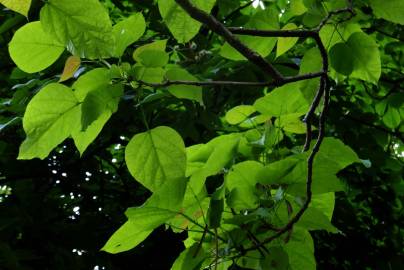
{"type": "Point", "coordinates": [32, 49]}
{"type": "Point", "coordinates": [156, 156]}
{"type": "Point", "coordinates": [392, 118]}
{"type": "Point", "coordinates": [241, 182]}
{"type": "Point", "coordinates": [20, 6]}
{"type": "Point", "coordinates": [238, 114]}
{"type": "Point", "coordinates": [71, 66]}
{"type": "Point", "coordinates": [127, 32]}
{"type": "Point", "coordinates": [98, 102]}
{"type": "Point", "coordinates": [158, 45]}
{"type": "Point", "coordinates": [263, 20]}
{"type": "Point", "coordinates": [153, 58]}
{"type": "Point", "coordinates": [274, 103]}
{"type": "Point", "coordinates": [162, 206]}
{"type": "Point", "coordinates": [148, 74]}
{"type": "Point", "coordinates": [180, 24]}
{"type": "Point", "coordinates": [184, 91]}
{"type": "Point", "coordinates": [285, 44]}
{"type": "Point", "coordinates": [190, 259]}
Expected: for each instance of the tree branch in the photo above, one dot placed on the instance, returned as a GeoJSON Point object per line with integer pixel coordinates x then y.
{"type": "Point", "coordinates": [221, 30]}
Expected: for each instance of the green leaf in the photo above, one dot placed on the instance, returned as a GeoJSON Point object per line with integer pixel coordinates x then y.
{"type": "Point", "coordinates": [97, 102]}
{"type": "Point", "coordinates": [262, 20]}
{"type": "Point", "coordinates": [300, 250]}
{"type": "Point", "coordinates": [158, 45]}
{"type": "Point", "coordinates": [274, 103]}
{"type": "Point", "coordinates": [291, 123]}
{"type": "Point", "coordinates": [366, 57]}
{"type": "Point", "coordinates": [391, 10]}
{"type": "Point", "coordinates": [184, 91]}
{"type": "Point", "coordinates": [314, 219]}
{"type": "Point", "coordinates": [276, 259]}
{"type": "Point", "coordinates": [311, 62]}
{"type": "Point", "coordinates": [342, 59]}
{"type": "Point", "coordinates": [224, 148]}
{"type": "Point", "coordinates": [82, 139]}
{"type": "Point", "coordinates": [162, 206]}
{"type": "Point", "coordinates": [128, 31]}
{"type": "Point", "coordinates": [392, 118]}
{"type": "Point", "coordinates": [153, 58]}
{"type": "Point", "coordinates": [180, 24]}
{"type": "Point", "coordinates": [32, 49]}
{"type": "Point", "coordinates": [285, 44]}
{"type": "Point", "coordinates": [325, 203]}
{"type": "Point", "coordinates": [49, 119]}
{"type": "Point", "coordinates": [83, 26]}
{"type": "Point", "coordinates": [331, 34]}
{"type": "Point", "coordinates": [149, 75]}
{"type": "Point", "coordinates": [187, 259]}
{"type": "Point", "coordinates": [155, 156]}
{"type": "Point", "coordinates": [241, 182]}
{"type": "Point", "coordinates": [20, 6]}
{"type": "Point", "coordinates": [332, 157]}
{"type": "Point", "coordinates": [91, 81]}
{"type": "Point", "coordinates": [239, 114]}
{"type": "Point", "coordinates": [95, 80]}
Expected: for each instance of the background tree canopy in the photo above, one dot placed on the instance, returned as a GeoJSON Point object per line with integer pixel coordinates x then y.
{"type": "Point", "coordinates": [201, 134]}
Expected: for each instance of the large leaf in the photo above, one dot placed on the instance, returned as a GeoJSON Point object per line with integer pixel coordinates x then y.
{"type": "Point", "coordinates": [20, 6]}
{"type": "Point", "coordinates": [263, 20]}
{"type": "Point", "coordinates": [365, 57]}
{"type": "Point", "coordinates": [391, 10]}
{"type": "Point", "coordinates": [32, 49]}
{"type": "Point", "coordinates": [83, 26]}
{"type": "Point", "coordinates": [180, 24]}
{"type": "Point", "coordinates": [49, 119]}
{"type": "Point", "coordinates": [127, 32]}
{"type": "Point", "coordinates": [155, 156]}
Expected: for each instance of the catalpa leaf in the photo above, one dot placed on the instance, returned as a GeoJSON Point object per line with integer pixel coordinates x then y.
{"type": "Point", "coordinates": [156, 156]}
{"type": "Point", "coordinates": [180, 24]}
{"type": "Point", "coordinates": [20, 6]}
{"type": "Point", "coordinates": [162, 206]}
{"type": "Point", "coordinates": [49, 119]}
{"type": "Point", "coordinates": [127, 32]}
{"type": "Point", "coordinates": [34, 50]}
{"type": "Point", "coordinates": [83, 26]}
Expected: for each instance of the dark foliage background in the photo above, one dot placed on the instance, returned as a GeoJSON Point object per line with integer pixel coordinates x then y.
{"type": "Point", "coordinates": [57, 213]}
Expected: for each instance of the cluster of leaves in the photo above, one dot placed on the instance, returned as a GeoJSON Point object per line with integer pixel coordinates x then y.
{"type": "Point", "coordinates": [236, 181]}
